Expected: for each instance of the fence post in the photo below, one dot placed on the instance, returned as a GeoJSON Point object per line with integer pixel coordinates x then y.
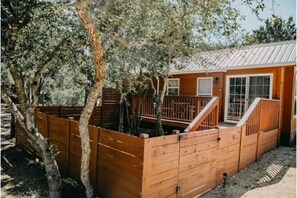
{"type": "Point", "coordinates": [260, 116]}
{"type": "Point", "coordinates": [278, 125]}
{"type": "Point", "coordinates": [257, 146]}
{"type": "Point", "coordinates": [146, 162]}
{"type": "Point", "coordinates": [242, 134]}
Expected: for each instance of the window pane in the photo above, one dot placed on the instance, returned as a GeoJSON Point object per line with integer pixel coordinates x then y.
{"type": "Point", "coordinates": [232, 81]}
{"type": "Point", "coordinates": [173, 83]}
{"type": "Point", "coordinates": [260, 80]}
{"type": "Point", "coordinates": [253, 80]}
{"type": "Point", "coordinates": [266, 90]}
{"type": "Point", "coordinates": [232, 89]}
{"type": "Point", "coordinates": [204, 86]}
{"type": "Point", "coordinates": [252, 90]}
{"type": "Point", "coordinates": [266, 80]}
{"type": "Point", "coordinates": [259, 91]}
{"type": "Point", "coordinates": [172, 91]}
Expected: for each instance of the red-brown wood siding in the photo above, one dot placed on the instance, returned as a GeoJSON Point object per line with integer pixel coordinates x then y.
{"type": "Point", "coordinates": [287, 103]}
{"type": "Point", "coordinates": [188, 86]}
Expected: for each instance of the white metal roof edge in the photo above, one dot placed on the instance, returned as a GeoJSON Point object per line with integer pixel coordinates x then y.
{"type": "Point", "coordinates": [235, 68]}
{"type": "Point", "coordinates": [259, 66]}
{"type": "Point", "coordinates": [197, 71]}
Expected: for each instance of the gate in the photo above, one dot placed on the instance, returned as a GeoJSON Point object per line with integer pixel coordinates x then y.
{"type": "Point", "coordinates": [203, 158]}
{"type": "Point", "coordinates": [189, 164]}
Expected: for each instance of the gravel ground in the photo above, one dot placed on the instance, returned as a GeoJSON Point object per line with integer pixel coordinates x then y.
{"type": "Point", "coordinates": [275, 171]}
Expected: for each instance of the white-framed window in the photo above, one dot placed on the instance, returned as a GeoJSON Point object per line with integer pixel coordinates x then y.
{"type": "Point", "coordinates": [173, 87]}
{"type": "Point", "coordinates": [204, 86]}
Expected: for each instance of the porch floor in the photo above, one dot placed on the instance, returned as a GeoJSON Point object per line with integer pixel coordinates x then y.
{"type": "Point", "coordinates": [226, 125]}
{"type": "Point", "coordinates": [174, 123]}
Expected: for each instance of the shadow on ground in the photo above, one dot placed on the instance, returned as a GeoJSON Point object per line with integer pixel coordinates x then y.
{"type": "Point", "coordinates": [23, 176]}
{"type": "Point", "coordinates": [270, 169]}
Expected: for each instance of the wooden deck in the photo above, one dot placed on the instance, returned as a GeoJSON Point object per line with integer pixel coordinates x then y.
{"type": "Point", "coordinates": [177, 108]}
{"type": "Point", "coordinates": [167, 122]}
{"type": "Point", "coordinates": [188, 112]}
{"type": "Point", "coordinates": [197, 114]}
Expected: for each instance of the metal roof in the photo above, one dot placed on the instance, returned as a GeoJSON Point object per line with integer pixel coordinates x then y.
{"type": "Point", "coordinates": [253, 56]}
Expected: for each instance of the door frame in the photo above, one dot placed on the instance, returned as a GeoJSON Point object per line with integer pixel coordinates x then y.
{"type": "Point", "coordinates": [247, 90]}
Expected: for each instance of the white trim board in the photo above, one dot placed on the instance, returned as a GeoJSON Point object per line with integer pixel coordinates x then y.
{"type": "Point", "coordinates": [287, 64]}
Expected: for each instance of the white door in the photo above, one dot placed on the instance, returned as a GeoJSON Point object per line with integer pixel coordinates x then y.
{"type": "Point", "coordinates": [241, 92]}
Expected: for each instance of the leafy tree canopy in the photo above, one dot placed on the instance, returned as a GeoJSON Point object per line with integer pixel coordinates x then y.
{"type": "Point", "coordinates": [149, 34]}
{"type": "Point", "coordinates": [51, 47]}
{"type": "Point", "coordinates": [275, 29]}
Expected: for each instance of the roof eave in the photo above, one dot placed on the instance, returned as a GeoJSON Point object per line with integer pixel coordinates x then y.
{"type": "Point", "coordinates": [197, 71]}
{"type": "Point", "coordinates": [293, 63]}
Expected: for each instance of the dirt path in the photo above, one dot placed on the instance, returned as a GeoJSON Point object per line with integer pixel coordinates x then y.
{"type": "Point", "coordinates": [272, 176]}
{"type": "Point", "coordinates": [22, 176]}
{"type": "Point", "coordinates": [284, 188]}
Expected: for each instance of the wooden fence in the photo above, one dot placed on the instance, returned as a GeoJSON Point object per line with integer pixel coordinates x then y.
{"type": "Point", "coordinates": [106, 115]}
{"type": "Point", "coordinates": [177, 165]}
{"type": "Point", "coordinates": [259, 130]}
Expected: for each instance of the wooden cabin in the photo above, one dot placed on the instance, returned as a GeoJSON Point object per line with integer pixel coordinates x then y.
{"type": "Point", "coordinates": [236, 77]}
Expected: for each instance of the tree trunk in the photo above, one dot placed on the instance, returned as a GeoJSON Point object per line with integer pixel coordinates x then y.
{"type": "Point", "coordinates": [50, 164]}
{"type": "Point", "coordinates": [136, 116]}
{"type": "Point", "coordinates": [159, 127]}
{"type": "Point", "coordinates": [99, 67]}
{"type": "Point", "coordinates": [41, 145]}
{"type": "Point", "coordinates": [121, 115]}
{"type": "Point", "coordinates": [85, 139]}
{"type": "Point", "coordinates": [128, 127]}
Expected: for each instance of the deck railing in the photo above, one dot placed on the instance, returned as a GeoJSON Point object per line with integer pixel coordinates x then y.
{"type": "Point", "coordinates": [262, 115]}
{"type": "Point", "coordinates": [181, 108]}
{"type": "Point", "coordinates": [208, 118]}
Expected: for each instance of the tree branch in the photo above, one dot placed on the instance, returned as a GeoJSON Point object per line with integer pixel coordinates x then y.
{"type": "Point", "coordinates": [153, 86]}
{"type": "Point", "coordinates": [19, 85]}
{"type": "Point", "coordinates": [148, 42]}
{"type": "Point", "coordinates": [165, 83]}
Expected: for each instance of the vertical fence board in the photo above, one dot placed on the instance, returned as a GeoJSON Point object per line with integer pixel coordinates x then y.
{"type": "Point", "coordinates": [119, 171]}
{"type": "Point", "coordinates": [75, 152]}
{"type": "Point", "coordinates": [42, 123]}
{"type": "Point", "coordinates": [110, 108]}
{"type": "Point", "coordinates": [59, 138]}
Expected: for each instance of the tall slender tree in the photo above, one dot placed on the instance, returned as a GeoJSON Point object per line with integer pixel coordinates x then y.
{"type": "Point", "coordinates": [82, 7]}
{"type": "Point", "coordinates": [50, 34]}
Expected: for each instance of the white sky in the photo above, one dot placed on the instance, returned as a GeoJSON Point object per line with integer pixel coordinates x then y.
{"type": "Point", "coordinates": [283, 8]}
